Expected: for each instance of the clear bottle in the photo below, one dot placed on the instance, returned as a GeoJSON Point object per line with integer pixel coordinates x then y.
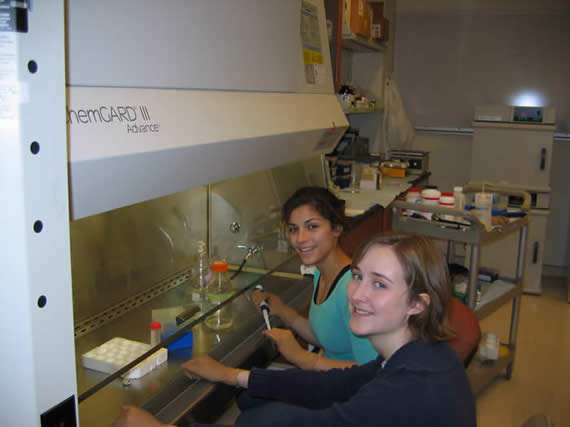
{"type": "Point", "coordinates": [202, 273]}
{"type": "Point", "coordinates": [220, 289]}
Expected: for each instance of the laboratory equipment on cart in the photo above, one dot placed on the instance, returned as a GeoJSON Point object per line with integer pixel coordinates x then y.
{"type": "Point", "coordinates": [470, 230]}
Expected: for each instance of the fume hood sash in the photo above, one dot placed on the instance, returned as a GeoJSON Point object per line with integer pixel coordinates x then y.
{"type": "Point", "coordinates": [129, 145]}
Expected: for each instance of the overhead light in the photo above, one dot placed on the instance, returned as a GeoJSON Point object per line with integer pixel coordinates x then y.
{"type": "Point", "coordinates": [528, 98]}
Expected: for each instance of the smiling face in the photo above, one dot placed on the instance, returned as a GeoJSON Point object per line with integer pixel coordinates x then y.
{"type": "Point", "coordinates": [379, 300]}
{"type": "Point", "coordinates": [311, 235]}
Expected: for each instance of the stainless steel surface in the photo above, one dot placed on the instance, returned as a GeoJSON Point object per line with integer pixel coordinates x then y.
{"type": "Point", "coordinates": [166, 386]}
{"type": "Point", "coordinates": [137, 261]}
{"type": "Point", "coordinates": [126, 252]}
{"type": "Point", "coordinates": [506, 294]}
{"type": "Point", "coordinates": [473, 277]}
{"type": "Point", "coordinates": [118, 254]}
{"type": "Point", "coordinates": [481, 375]}
{"type": "Point", "coordinates": [450, 251]}
{"type": "Point", "coordinates": [135, 301]}
{"type": "Point", "coordinates": [254, 201]}
{"type": "Point", "coordinates": [235, 227]}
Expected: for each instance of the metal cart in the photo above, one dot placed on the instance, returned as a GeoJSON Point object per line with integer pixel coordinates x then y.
{"type": "Point", "coordinates": [468, 229]}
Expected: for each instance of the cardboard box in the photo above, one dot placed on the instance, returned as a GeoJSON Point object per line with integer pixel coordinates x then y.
{"type": "Point", "coordinates": [380, 30]}
{"type": "Point", "coordinates": [357, 14]}
{"type": "Point", "coordinates": [379, 27]}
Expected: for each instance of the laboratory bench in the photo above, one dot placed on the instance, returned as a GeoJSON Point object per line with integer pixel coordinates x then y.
{"type": "Point", "coordinates": [165, 391]}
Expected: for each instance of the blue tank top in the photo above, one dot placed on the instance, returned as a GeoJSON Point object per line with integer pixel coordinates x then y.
{"type": "Point", "coordinates": [329, 322]}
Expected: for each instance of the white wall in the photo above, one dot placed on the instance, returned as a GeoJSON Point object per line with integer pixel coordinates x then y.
{"type": "Point", "coordinates": [449, 159]}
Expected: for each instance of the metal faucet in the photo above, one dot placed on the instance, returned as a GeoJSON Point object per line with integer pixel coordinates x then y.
{"type": "Point", "coordinates": [250, 250]}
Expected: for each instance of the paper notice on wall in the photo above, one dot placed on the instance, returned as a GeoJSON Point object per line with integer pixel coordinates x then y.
{"type": "Point", "coordinates": [9, 86]}
{"type": "Point", "coordinates": [312, 47]}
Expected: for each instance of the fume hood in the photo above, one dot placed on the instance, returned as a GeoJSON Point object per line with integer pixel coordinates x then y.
{"type": "Point", "coordinates": [136, 100]}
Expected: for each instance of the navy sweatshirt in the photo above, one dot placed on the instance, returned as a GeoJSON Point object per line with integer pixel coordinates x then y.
{"type": "Point", "coordinates": [420, 385]}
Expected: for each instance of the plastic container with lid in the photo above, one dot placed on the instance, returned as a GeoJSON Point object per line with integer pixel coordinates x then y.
{"type": "Point", "coordinates": [155, 333]}
{"type": "Point", "coordinates": [413, 195]}
{"type": "Point", "coordinates": [430, 196]}
{"type": "Point", "coordinates": [220, 288]}
{"type": "Point", "coordinates": [447, 200]}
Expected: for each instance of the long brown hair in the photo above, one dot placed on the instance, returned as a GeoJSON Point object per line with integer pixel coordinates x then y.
{"type": "Point", "coordinates": [425, 271]}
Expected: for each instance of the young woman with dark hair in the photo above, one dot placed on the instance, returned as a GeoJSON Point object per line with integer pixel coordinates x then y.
{"type": "Point", "coordinates": [315, 221]}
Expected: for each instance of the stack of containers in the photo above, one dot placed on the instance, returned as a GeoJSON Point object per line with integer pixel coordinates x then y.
{"type": "Point", "coordinates": [447, 200]}
{"type": "Point", "coordinates": [413, 196]}
{"type": "Point", "coordinates": [430, 196]}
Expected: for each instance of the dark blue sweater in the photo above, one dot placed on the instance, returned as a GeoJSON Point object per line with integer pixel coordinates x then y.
{"type": "Point", "coordinates": [420, 385]}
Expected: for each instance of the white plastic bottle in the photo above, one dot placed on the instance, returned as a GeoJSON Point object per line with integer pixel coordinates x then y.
{"type": "Point", "coordinates": [483, 206]}
{"type": "Point", "coordinates": [459, 196]}
{"type": "Point", "coordinates": [220, 288]}
{"type": "Point", "coordinates": [202, 273]}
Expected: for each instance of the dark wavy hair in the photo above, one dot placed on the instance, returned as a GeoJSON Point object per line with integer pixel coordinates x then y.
{"type": "Point", "coordinates": [322, 200]}
{"type": "Point", "coordinates": [425, 271]}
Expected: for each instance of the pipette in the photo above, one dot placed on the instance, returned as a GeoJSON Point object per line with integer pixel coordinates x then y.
{"type": "Point", "coordinates": [264, 307]}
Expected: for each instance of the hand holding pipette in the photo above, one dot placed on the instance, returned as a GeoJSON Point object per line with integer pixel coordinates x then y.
{"type": "Point", "coordinates": [264, 307]}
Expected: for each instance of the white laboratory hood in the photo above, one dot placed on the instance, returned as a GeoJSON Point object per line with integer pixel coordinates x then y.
{"type": "Point", "coordinates": [166, 97]}
{"type": "Point", "coordinates": [161, 97]}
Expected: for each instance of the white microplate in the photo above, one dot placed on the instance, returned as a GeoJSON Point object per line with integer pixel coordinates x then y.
{"type": "Point", "coordinates": [117, 352]}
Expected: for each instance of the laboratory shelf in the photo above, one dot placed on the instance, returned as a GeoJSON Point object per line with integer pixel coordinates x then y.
{"type": "Point", "coordinates": [356, 43]}
{"type": "Point", "coordinates": [468, 229]}
{"type": "Point", "coordinates": [481, 374]}
{"type": "Point", "coordinates": [368, 111]}
{"type": "Point", "coordinates": [498, 293]}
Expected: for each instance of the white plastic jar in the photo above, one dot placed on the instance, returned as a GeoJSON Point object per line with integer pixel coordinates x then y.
{"type": "Point", "coordinates": [413, 195]}
{"type": "Point", "coordinates": [447, 200]}
{"type": "Point", "coordinates": [430, 196]}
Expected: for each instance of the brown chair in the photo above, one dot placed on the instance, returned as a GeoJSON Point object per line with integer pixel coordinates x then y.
{"type": "Point", "coordinates": [467, 331]}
